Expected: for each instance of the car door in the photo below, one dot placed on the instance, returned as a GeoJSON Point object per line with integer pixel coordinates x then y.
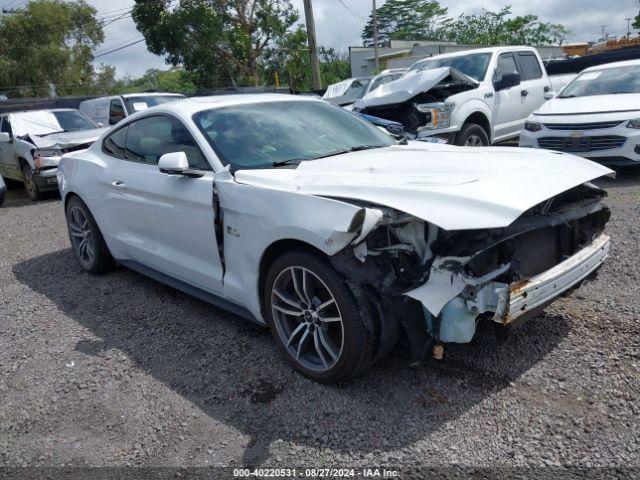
{"type": "Point", "coordinates": [9, 167]}
{"type": "Point", "coordinates": [163, 221]}
{"type": "Point", "coordinates": [509, 104]}
{"type": "Point", "coordinates": [534, 83]}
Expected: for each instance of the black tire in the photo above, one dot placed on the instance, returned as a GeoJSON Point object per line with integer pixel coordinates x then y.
{"type": "Point", "coordinates": [472, 133]}
{"type": "Point", "coordinates": [356, 354]}
{"type": "Point", "coordinates": [30, 185]}
{"type": "Point", "coordinates": [101, 260]}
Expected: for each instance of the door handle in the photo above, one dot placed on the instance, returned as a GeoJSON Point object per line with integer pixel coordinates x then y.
{"type": "Point", "coordinates": [524, 93]}
{"type": "Point", "coordinates": [118, 184]}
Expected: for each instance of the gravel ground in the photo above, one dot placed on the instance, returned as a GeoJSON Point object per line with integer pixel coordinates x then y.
{"type": "Point", "coordinates": [121, 370]}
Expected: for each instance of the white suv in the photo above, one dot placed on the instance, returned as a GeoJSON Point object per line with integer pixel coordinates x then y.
{"type": "Point", "coordinates": [299, 215]}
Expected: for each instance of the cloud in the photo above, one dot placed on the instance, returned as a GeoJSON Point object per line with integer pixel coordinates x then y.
{"type": "Point", "coordinates": [339, 27]}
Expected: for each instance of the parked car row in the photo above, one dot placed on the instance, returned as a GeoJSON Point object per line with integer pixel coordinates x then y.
{"type": "Point", "coordinates": [33, 142]}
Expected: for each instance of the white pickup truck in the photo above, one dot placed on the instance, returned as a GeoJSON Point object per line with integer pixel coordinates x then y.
{"type": "Point", "coordinates": [475, 97]}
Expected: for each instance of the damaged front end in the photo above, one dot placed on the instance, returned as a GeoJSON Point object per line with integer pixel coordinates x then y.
{"type": "Point", "coordinates": [438, 285]}
{"type": "Point", "coordinates": [420, 100]}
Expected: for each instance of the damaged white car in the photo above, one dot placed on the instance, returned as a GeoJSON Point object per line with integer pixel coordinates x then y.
{"type": "Point", "coordinates": [33, 142]}
{"type": "Point", "coordinates": [472, 98]}
{"type": "Point", "coordinates": [297, 214]}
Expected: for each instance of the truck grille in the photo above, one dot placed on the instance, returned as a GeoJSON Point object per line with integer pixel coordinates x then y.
{"type": "Point", "coordinates": [581, 144]}
{"type": "Point", "coordinates": [582, 126]}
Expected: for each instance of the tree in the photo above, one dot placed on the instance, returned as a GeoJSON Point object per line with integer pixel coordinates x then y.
{"type": "Point", "coordinates": [219, 41]}
{"type": "Point", "coordinates": [48, 42]}
{"type": "Point", "coordinates": [105, 79]}
{"type": "Point", "coordinates": [495, 28]}
{"type": "Point", "coordinates": [173, 80]}
{"type": "Point", "coordinates": [406, 20]}
{"type": "Point", "coordinates": [636, 22]}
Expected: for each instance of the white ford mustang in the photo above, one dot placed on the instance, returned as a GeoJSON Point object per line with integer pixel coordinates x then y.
{"type": "Point", "coordinates": [299, 215]}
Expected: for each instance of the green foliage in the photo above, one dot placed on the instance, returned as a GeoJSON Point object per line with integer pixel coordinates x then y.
{"type": "Point", "coordinates": [496, 28]}
{"type": "Point", "coordinates": [406, 20]}
{"type": "Point", "coordinates": [636, 22]}
{"type": "Point", "coordinates": [220, 42]}
{"type": "Point", "coordinates": [175, 80]}
{"type": "Point", "coordinates": [290, 59]}
{"type": "Point", "coordinates": [48, 42]}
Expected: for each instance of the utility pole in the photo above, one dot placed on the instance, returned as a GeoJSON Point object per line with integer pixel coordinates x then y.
{"type": "Point", "coordinates": [628, 27]}
{"type": "Point", "coordinates": [602, 27]}
{"type": "Point", "coordinates": [313, 47]}
{"type": "Point", "coordinates": [375, 37]}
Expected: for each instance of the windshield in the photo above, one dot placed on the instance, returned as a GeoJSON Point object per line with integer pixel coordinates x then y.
{"type": "Point", "coordinates": [46, 122]}
{"type": "Point", "coordinates": [357, 89]}
{"type": "Point", "coordinates": [474, 65]}
{"type": "Point", "coordinates": [384, 79]}
{"type": "Point", "coordinates": [609, 81]}
{"type": "Point", "coordinates": [142, 102]}
{"type": "Point", "coordinates": [261, 134]}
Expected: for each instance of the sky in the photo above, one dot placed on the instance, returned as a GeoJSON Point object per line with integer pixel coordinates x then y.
{"type": "Point", "coordinates": [338, 27]}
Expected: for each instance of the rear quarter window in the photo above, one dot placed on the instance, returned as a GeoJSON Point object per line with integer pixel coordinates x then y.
{"type": "Point", "coordinates": [530, 66]}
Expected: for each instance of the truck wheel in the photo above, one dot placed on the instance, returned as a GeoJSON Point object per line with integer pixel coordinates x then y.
{"type": "Point", "coordinates": [314, 318]}
{"type": "Point", "coordinates": [472, 135]}
{"type": "Point", "coordinates": [86, 239]}
{"type": "Point", "coordinates": [29, 183]}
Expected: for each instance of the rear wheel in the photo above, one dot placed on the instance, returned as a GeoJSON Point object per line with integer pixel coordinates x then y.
{"type": "Point", "coordinates": [314, 318]}
{"type": "Point", "coordinates": [30, 185]}
{"type": "Point", "coordinates": [472, 135]}
{"type": "Point", "coordinates": [86, 240]}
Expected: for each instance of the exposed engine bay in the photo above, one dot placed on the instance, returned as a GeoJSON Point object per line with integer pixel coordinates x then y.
{"type": "Point", "coordinates": [451, 280]}
{"type": "Point", "coordinates": [416, 113]}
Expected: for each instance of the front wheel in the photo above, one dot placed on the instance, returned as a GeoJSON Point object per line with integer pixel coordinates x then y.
{"type": "Point", "coordinates": [472, 135]}
{"type": "Point", "coordinates": [30, 185]}
{"type": "Point", "coordinates": [314, 318]}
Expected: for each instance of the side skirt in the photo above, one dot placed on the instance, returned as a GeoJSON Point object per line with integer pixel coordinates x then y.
{"type": "Point", "coordinates": [196, 292]}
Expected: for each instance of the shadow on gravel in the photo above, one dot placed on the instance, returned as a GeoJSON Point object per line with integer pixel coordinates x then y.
{"type": "Point", "coordinates": [231, 370]}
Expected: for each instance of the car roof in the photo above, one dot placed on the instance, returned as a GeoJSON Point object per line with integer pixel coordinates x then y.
{"type": "Point", "coordinates": [197, 104]}
{"type": "Point", "coordinates": [626, 63]}
{"type": "Point", "coordinates": [151, 94]}
{"type": "Point", "coordinates": [479, 50]}
{"type": "Point", "coordinates": [46, 110]}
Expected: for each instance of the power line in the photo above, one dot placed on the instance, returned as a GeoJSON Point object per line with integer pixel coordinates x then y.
{"type": "Point", "coordinates": [119, 48]}
{"type": "Point", "coordinates": [348, 7]}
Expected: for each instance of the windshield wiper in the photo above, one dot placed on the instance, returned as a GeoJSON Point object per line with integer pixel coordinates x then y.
{"type": "Point", "coordinates": [357, 148]}
{"type": "Point", "coordinates": [297, 161]}
{"type": "Point", "coordinates": [52, 133]}
{"type": "Point", "coordinates": [284, 163]}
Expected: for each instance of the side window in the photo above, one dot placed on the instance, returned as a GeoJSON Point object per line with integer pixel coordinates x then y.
{"type": "Point", "coordinates": [116, 111]}
{"type": "Point", "coordinates": [151, 137]}
{"type": "Point", "coordinates": [530, 66]}
{"type": "Point", "coordinates": [506, 64]}
{"type": "Point", "coordinates": [114, 144]}
{"type": "Point", "coordinates": [6, 126]}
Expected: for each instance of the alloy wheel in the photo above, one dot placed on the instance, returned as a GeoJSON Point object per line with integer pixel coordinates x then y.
{"type": "Point", "coordinates": [473, 141]}
{"type": "Point", "coordinates": [81, 236]}
{"type": "Point", "coordinates": [307, 318]}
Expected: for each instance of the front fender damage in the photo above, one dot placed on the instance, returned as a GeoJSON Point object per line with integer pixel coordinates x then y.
{"type": "Point", "coordinates": [436, 285]}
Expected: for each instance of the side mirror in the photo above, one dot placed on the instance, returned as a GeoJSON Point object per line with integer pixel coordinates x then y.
{"type": "Point", "coordinates": [174, 163]}
{"type": "Point", "coordinates": [509, 80]}
{"type": "Point", "coordinates": [549, 95]}
{"type": "Point", "coordinates": [100, 124]}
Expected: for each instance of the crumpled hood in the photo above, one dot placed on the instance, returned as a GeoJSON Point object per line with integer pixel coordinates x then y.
{"type": "Point", "coordinates": [455, 188]}
{"type": "Point", "coordinates": [410, 85]}
{"type": "Point", "coordinates": [67, 139]}
{"type": "Point", "coordinates": [591, 104]}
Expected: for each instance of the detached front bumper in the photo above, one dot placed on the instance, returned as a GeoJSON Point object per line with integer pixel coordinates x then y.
{"type": "Point", "coordinates": [526, 296]}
